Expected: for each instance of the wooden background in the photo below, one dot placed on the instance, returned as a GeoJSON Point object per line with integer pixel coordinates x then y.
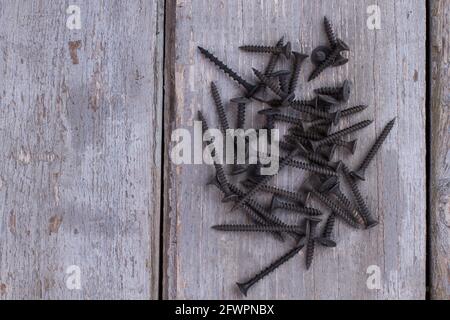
{"type": "Point", "coordinates": [86, 180]}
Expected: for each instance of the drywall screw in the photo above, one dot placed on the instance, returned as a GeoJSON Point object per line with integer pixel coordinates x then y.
{"type": "Point", "coordinates": [298, 60]}
{"type": "Point", "coordinates": [285, 98]}
{"type": "Point", "coordinates": [241, 103]}
{"type": "Point", "coordinates": [334, 116]}
{"type": "Point", "coordinates": [331, 186]}
{"type": "Point", "coordinates": [259, 209]}
{"type": "Point", "coordinates": [360, 173]}
{"type": "Point", "coordinates": [245, 286]}
{"type": "Point", "coordinates": [310, 240]}
{"type": "Point", "coordinates": [220, 173]}
{"type": "Point", "coordinates": [309, 188]}
{"type": "Point", "coordinates": [319, 101]}
{"type": "Point", "coordinates": [283, 78]}
{"type": "Point", "coordinates": [320, 54]}
{"type": "Point", "coordinates": [220, 109]}
{"type": "Point", "coordinates": [340, 46]}
{"type": "Point", "coordinates": [255, 228]}
{"type": "Point", "coordinates": [276, 203]}
{"type": "Point", "coordinates": [344, 113]}
{"type": "Point", "coordinates": [264, 179]}
{"type": "Point", "coordinates": [294, 196]}
{"type": "Point", "coordinates": [326, 239]}
{"type": "Point", "coordinates": [286, 50]}
{"type": "Point", "coordinates": [330, 32]}
{"type": "Point", "coordinates": [311, 168]}
{"type": "Point", "coordinates": [349, 145]}
{"type": "Point", "coordinates": [250, 88]}
{"type": "Point", "coordinates": [362, 207]}
{"type": "Point", "coordinates": [341, 93]}
{"type": "Point", "coordinates": [271, 64]}
{"type": "Point", "coordinates": [335, 136]}
{"type": "Point", "coordinates": [287, 119]}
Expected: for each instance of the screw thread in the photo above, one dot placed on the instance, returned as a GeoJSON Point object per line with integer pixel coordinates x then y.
{"type": "Point", "coordinates": [308, 109]}
{"type": "Point", "coordinates": [284, 83]}
{"type": "Point", "coordinates": [241, 116]}
{"type": "Point", "coordinates": [335, 208]}
{"type": "Point", "coordinates": [335, 136]}
{"type": "Point", "coordinates": [300, 209]}
{"type": "Point", "coordinates": [348, 205]}
{"type": "Point", "coordinates": [310, 251]}
{"type": "Point", "coordinates": [312, 168]}
{"type": "Point", "coordinates": [292, 138]}
{"type": "Point", "coordinates": [269, 83]}
{"type": "Point", "coordinates": [329, 226]}
{"type": "Point", "coordinates": [371, 154]}
{"type": "Point", "coordinates": [267, 270]}
{"type": "Point", "coordinates": [353, 110]}
{"type": "Point", "coordinates": [256, 228]}
{"type": "Point", "coordinates": [288, 119]}
{"type": "Point", "coordinates": [299, 58]}
{"type": "Point", "coordinates": [330, 32]}
{"type": "Point", "coordinates": [325, 64]}
{"type": "Point", "coordinates": [220, 109]}
{"type": "Point", "coordinates": [232, 74]}
{"type": "Point", "coordinates": [261, 49]}
{"type": "Point", "coordinates": [274, 58]}
{"type": "Point", "coordinates": [283, 193]}
{"type": "Point", "coordinates": [363, 209]}
{"type": "Point", "coordinates": [329, 91]}
{"type": "Point", "coordinates": [316, 136]}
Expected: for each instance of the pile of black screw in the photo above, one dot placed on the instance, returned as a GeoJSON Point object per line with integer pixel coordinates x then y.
{"type": "Point", "coordinates": [313, 137]}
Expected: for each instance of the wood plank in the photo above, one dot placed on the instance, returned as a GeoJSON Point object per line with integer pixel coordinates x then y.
{"type": "Point", "coordinates": [440, 152]}
{"type": "Point", "coordinates": [388, 68]}
{"type": "Point", "coordinates": [80, 121]}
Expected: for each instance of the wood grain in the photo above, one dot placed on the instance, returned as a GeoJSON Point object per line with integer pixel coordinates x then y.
{"type": "Point", "coordinates": [440, 152]}
{"type": "Point", "coordinates": [80, 121]}
{"type": "Point", "coordinates": [387, 67]}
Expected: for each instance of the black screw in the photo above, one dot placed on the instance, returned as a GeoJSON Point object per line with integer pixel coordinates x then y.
{"type": "Point", "coordinates": [311, 225]}
{"type": "Point", "coordinates": [298, 60]}
{"type": "Point", "coordinates": [311, 168]}
{"type": "Point", "coordinates": [220, 173]}
{"type": "Point", "coordinates": [286, 50]}
{"type": "Point", "coordinates": [245, 286]}
{"type": "Point", "coordinates": [341, 93]}
{"type": "Point", "coordinates": [344, 113]}
{"type": "Point", "coordinates": [310, 188]}
{"type": "Point", "coordinates": [251, 88]}
{"type": "Point", "coordinates": [335, 136]}
{"type": "Point", "coordinates": [330, 32]}
{"type": "Point", "coordinates": [360, 173]}
{"type": "Point", "coordinates": [287, 118]}
{"type": "Point", "coordinates": [264, 179]}
{"type": "Point", "coordinates": [283, 78]}
{"type": "Point", "coordinates": [340, 46]}
{"type": "Point", "coordinates": [279, 204]}
{"type": "Point", "coordinates": [331, 185]}
{"type": "Point", "coordinates": [362, 207]}
{"type": "Point", "coordinates": [220, 109]}
{"type": "Point", "coordinates": [334, 116]}
{"type": "Point", "coordinates": [255, 228]}
{"type": "Point", "coordinates": [321, 101]}
{"type": "Point", "coordinates": [286, 98]}
{"type": "Point", "coordinates": [326, 238]}
{"type": "Point", "coordinates": [291, 195]}
{"type": "Point", "coordinates": [241, 105]}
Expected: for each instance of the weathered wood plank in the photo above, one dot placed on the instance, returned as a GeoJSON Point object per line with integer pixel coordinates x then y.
{"type": "Point", "coordinates": [440, 151]}
{"type": "Point", "coordinates": [80, 123]}
{"type": "Point", "coordinates": [388, 69]}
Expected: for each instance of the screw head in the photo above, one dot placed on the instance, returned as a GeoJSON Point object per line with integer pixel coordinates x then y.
{"type": "Point", "coordinates": [351, 146]}
{"type": "Point", "coordinates": [287, 50]}
{"type": "Point", "coordinates": [243, 288]}
{"type": "Point", "coordinates": [359, 174]}
{"type": "Point", "coordinates": [340, 44]}
{"type": "Point", "coordinates": [346, 90]}
{"type": "Point", "coordinates": [325, 101]}
{"type": "Point", "coordinates": [320, 54]}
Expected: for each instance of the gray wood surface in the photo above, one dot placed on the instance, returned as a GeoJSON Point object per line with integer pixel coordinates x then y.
{"type": "Point", "coordinates": [387, 67]}
{"type": "Point", "coordinates": [440, 152]}
{"type": "Point", "coordinates": [80, 151]}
